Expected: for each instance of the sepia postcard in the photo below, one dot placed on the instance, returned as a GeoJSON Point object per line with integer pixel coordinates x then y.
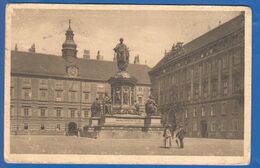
{"type": "Point", "coordinates": [128, 84]}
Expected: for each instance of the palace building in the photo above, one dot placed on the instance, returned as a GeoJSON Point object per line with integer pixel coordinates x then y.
{"type": "Point", "coordinates": [52, 94]}
{"type": "Point", "coordinates": [200, 85]}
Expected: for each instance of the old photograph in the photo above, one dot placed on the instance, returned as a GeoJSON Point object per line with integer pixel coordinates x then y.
{"type": "Point", "coordinates": [127, 84]}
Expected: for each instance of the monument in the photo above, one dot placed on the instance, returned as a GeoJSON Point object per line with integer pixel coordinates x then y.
{"type": "Point", "coordinates": [120, 119]}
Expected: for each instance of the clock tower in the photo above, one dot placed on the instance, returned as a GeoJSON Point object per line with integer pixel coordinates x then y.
{"type": "Point", "coordinates": [69, 53]}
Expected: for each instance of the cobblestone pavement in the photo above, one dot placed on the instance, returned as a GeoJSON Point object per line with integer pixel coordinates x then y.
{"type": "Point", "coordinates": [33, 144]}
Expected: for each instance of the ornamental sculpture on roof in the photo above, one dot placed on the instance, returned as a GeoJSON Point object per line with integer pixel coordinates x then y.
{"type": "Point", "coordinates": [122, 55]}
{"type": "Point", "coordinates": [178, 49]}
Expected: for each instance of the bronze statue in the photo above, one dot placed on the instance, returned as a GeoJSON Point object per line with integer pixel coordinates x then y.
{"type": "Point", "coordinates": [107, 104]}
{"type": "Point", "coordinates": [150, 106]}
{"type": "Point", "coordinates": [122, 55]}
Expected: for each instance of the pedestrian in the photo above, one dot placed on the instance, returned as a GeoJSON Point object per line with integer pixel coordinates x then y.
{"type": "Point", "coordinates": [180, 136]}
{"type": "Point", "coordinates": [167, 136]}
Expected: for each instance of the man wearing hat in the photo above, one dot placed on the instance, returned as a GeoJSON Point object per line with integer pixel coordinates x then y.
{"type": "Point", "coordinates": [180, 135]}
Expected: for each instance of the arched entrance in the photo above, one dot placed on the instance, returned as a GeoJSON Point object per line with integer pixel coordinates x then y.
{"type": "Point", "coordinates": [204, 128]}
{"type": "Point", "coordinates": [72, 129]}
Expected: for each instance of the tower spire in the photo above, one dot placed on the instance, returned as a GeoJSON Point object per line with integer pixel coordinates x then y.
{"type": "Point", "coordinates": [69, 47]}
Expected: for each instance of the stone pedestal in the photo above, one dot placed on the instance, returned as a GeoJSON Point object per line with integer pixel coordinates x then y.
{"type": "Point", "coordinates": [122, 122]}
{"type": "Point", "coordinates": [122, 93]}
{"type": "Point", "coordinates": [95, 121]}
{"type": "Point", "coordinates": [153, 121]}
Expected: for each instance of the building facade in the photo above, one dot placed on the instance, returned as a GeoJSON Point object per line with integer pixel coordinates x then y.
{"type": "Point", "coordinates": [53, 94]}
{"type": "Point", "coordinates": [200, 85]}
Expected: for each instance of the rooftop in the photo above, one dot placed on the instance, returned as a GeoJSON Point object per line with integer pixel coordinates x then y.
{"type": "Point", "coordinates": [217, 33]}
{"type": "Point", "coordinates": [29, 63]}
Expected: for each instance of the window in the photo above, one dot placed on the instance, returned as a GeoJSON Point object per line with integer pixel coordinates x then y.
{"type": "Point", "coordinates": [212, 110]}
{"type": "Point", "coordinates": [72, 95]}
{"type": "Point", "coordinates": [236, 59]}
{"type": "Point", "coordinates": [188, 94]}
{"type": "Point", "coordinates": [26, 81]}
{"type": "Point", "coordinates": [235, 125]}
{"type": "Point", "coordinates": [205, 68]}
{"type": "Point", "coordinates": [203, 113]}
{"type": "Point", "coordinates": [186, 113]}
{"type": "Point", "coordinates": [194, 112]}
{"type": "Point", "coordinates": [194, 126]}
{"type": "Point", "coordinates": [214, 65]}
{"type": "Point", "coordinates": [86, 113]}
{"type": "Point", "coordinates": [43, 94]}
{"type": "Point", "coordinates": [43, 82]}
{"type": "Point", "coordinates": [25, 126]}
{"type": "Point", "coordinates": [26, 93]}
{"type": "Point", "coordinates": [58, 95]}
{"type": "Point", "coordinates": [42, 127]}
{"type": "Point", "coordinates": [214, 88]}
{"type": "Point", "coordinates": [213, 126]}
{"type": "Point", "coordinates": [236, 84]}
{"type": "Point", "coordinates": [12, 110]}
{"type": "Point", "coordinates": [140, 100]}
{"type": "Point", "coordinates": [236, 107]}
{"type": "Point", "coordinates": [12, 92]}
{"type": "Point", "coordinates": [26, 111]}
{"type": "Point", "coordinates": [58, 127]}
{"type": "Point", "coordinates": [223, 125]}
{"type": "Point", "coordinates": [43, 110]}
{"type": "Point", "coordinates": [85, 86]}
{"type": "Point", "coordinates": [196, 91]}
{"type": "Point", "coordinates": [58, 112]}
{"type": "Point", "coordinates": [72, 113]}
{"type": "Point", "coordinates": [225, 62]}
{"type": "Point", "coordinates": [223, 108]}
{"type": "Point", "coordinates": [59, 84]}
{"type": "Point", "coordinates": [205, 89]}
{"type": "Point", "coordinates": [225, 87]}
{"type": "Point", "coordinates": [86, 96]}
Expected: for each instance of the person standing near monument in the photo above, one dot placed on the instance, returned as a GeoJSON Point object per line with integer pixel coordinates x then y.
{"type": "Point", "coordinates": [180, 136]}
{"type": "Point", "coordinates": [167, 136]}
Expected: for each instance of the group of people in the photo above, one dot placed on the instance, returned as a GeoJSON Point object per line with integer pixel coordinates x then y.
{"type": "Point", "coordinates": [169, 134]}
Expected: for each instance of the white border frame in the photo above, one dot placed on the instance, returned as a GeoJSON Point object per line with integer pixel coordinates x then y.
{"type": "Point", "coordinates": [132, 159]}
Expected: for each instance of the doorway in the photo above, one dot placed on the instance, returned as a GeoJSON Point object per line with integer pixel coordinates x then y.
{"type": "Point", "coordinates": [72, 129]}
{"type": "Point", "coordinates": [204, 128]}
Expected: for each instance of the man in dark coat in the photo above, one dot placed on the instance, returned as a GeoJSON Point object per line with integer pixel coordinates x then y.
{"type": "Point", "coordinates": [180, 135]}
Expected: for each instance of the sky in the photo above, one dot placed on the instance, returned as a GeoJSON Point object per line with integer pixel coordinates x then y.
{"type": "Point", "coordinates": [146, 33]}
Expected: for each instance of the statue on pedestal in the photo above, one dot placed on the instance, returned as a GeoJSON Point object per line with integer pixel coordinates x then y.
{"type": "Point", "coordinates": [107, 104]}
{"type": "Point", "coordinates": [96, 108]}
{"type": "Point", "coordinates": [122, 55]}
{"type": "Point", "coordinates": [150, 106]}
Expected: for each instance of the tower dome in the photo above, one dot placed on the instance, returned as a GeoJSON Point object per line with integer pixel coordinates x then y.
{"type": "Point", "coordinates": [69, 47]}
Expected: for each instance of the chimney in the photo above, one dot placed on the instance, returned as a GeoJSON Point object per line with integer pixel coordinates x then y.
{"type": "Point", "coordinates": [99, 57]}
{"type": "Point", "coordinates": [136, 60]}
{"type": "Point", "coordinates": [32, 49]}
{"type": "Point", "coordinates": [16, 47]}
{"type": "Point", "coordinates": [86, 54]}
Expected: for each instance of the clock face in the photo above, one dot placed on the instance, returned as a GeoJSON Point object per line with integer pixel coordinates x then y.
{"type": "Point", "coordinates": [72, 71]}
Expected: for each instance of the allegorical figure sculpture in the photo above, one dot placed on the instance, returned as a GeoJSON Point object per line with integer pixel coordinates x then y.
{"type": "Point", "coordinates": [150, 106]}
{"type": "Point", "coordinates": [96, 108]}
{"type": "Point", "coordinates": [107, 104]}
{"type": "Point", "coordinates": [122, 55]}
